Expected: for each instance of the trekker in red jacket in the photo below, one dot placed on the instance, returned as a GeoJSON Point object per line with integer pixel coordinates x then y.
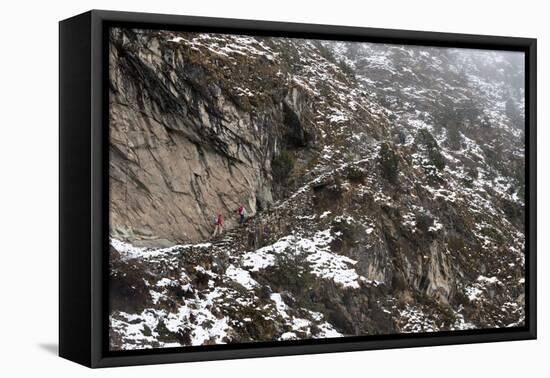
{"type": "Point", "coordinates": [241, 214]}
{"type": "Point", "coordinates": [218, 229]}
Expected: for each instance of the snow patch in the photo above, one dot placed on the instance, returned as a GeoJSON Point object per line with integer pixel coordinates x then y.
{"type": "Point", "coordinates": [324, 263]}
{"type": "Point", "coordinates": [241, 276]}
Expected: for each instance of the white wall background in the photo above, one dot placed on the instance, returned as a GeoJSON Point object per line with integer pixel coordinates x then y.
{"type": "Point", "coordinates": [29, 186]}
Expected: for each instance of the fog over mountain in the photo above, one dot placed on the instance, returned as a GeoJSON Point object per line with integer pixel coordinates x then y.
{"type": "Point", "coordinates": [383, 188]}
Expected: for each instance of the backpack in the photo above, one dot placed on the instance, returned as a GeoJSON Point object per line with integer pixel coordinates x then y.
{"type": "Point", "coordinates": [215, 220]}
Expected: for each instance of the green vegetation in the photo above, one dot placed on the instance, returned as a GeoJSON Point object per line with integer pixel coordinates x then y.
{"type": "Point", "coordinates": [425, 138]}
{"type": "Point", "coordinates": [292, 272]}
{"type": "Point", "coordinates": [513, 210]}
{"type": "Point", "coordinates": [447, 314]}
{"type": "Point", "coordinates": [456, 244]}
{"type": "Point", "coordinates": [146, 330]}
{"type": "Point", "coordinates": [289, 54]}
{"type": "Point", "coordinates": [513, 113]}
{"type": "Point", "coordinates": [460, 298]}
{"type": "Point", "coordinates": [453, 136]}
{"type": "Point", "coordinates": [346, 70]}
{"type": "Point", "coordinates": [423, 222]}
{"type": "Point", "coordinates": [324, 51]}
{"type": "Point", "coordinates": [354, 173]}
{"type": "Point", "coordinates": [347, 230]}
{"type": "Point", "coordinates": [389, 162]}
{"type": "Point", "coordinates": [469, 112]}
{"type": "Point", "coordinates": [281, 166]}
{"type": "Point", "coordinates": [486, 122]}
{"type": "Point", "coordinates": [437, 159]}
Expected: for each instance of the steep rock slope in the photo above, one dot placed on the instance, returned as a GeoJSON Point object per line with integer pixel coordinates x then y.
{"type": "Point", "coordinates": [384, 189]}
{"type": "Point", "coordinates": [186, 143]}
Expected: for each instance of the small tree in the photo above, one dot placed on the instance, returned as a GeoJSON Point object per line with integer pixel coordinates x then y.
{"type": "Point", "coordinates": [346, 69]}
{"type": "Point", "coordinates": [434, 154]}
{"type": "Point", "coordinates": [511, 109]}
{"type": "Point", "coordinates": [470, 112]}
{"type": "Point", "coordinates": [486, 122]}
{"type": "Point", "coordinates": [355, 173]}
{"type": "Point", "coordinates": [513, 113]}
{"type": "Point", "coordinates": [324, 51]}
{"type": "Point", "coordinates": [453, 135]}
{"type": "Point", "coordinates": [389, 162]}
{"type": "Point", "coordinates": [292, 271]}
{"type": "Point", "coordinates": [281, 166]}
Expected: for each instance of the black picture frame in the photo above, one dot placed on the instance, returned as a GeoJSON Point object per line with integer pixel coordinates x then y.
{"type": "Point", "coordinates": [83, 182]}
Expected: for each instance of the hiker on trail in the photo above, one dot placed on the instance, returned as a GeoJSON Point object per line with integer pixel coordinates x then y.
{"type": "Point", "coordinates": [241, 214]}
{"type": "Point", "coordinates": [218, 229]}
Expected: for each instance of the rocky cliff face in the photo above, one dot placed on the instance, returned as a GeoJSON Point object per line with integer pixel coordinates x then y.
{"type": "Point", "coordinates": [186, 142]}
{"type": "Point", "coordinates": [383, 186]}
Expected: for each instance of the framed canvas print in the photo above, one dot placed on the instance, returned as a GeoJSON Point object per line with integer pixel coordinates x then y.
{"type": "Point", "coordinates": [234, 188]}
